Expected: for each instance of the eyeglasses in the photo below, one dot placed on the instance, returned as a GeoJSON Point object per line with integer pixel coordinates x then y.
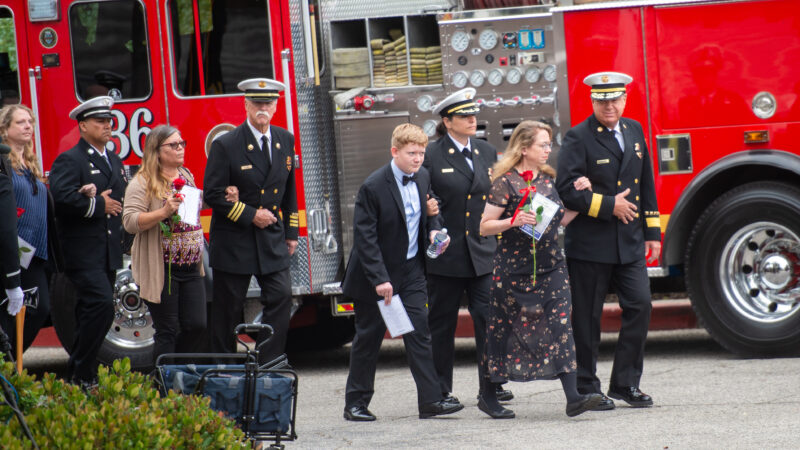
{"type": "Point", "coordinates": [546, 145]}
{"type": "Point", "coordinates": [175, 145]}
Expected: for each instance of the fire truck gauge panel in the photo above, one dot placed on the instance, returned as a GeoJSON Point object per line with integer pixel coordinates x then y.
{"type": "Point", "coordinates": [487, 39]}
{"type": "Point", "coordinates": [460, 41]}
{"type": "Point", "coordinates": [460, 79]}
{"type": "Point", "coordinates": [425, 103]}
{"type": "Point", "coordinates": [509, 40]}
{"type": "Point", "coordinates": [496, 77]}
{"type": "Point", "coordinates": [429, 127]}
{"type": "Point", "coordinates": [532, 75]}
{"type": "Point", "coordinates": [514, 75]}
{"type": "Point", "coordinates": [477, 78]}
{"type": "Point", "coordinates": [550, 73]}
{"type": "Point", "coordinates": [529, 39]}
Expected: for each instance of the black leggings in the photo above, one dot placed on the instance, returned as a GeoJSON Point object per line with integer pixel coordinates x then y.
{"type": "Point", "coordinates": [180, 318]}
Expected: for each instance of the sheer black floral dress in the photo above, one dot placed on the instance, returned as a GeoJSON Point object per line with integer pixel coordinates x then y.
{"type": "Point", "coordinates": [528, 330]}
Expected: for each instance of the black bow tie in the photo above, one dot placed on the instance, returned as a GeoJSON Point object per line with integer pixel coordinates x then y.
{"type": "Point", "coordinates": [407, 179]}
{"type": "Point", "coordinates": [467, 153]}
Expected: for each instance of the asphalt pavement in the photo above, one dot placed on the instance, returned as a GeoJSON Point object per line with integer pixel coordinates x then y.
{"type": "Point", "coordinates": [704, 397]}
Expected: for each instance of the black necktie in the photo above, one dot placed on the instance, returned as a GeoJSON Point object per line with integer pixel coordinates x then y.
{"type": "Point", "coordinates": [407, 179]}
{"type": "Point", "coordinates": [265, 150]}
{"type": "Point", "coordinates": [467, 153]}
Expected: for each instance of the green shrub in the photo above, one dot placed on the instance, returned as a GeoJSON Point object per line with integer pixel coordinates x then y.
{"type": "Point", "coordinates": [124, 411]}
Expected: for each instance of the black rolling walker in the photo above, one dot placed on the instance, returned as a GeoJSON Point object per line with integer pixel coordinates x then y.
{"type": "Point", "coordinates": [261, 399]}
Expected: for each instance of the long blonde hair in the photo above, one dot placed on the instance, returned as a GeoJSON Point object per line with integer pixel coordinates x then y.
{"type": "Point", "coordinates": [28, 155]}
{"type": "Point", "coordinates": [523, 137]}
{"type": "Point", "coordinates": [156, 184]}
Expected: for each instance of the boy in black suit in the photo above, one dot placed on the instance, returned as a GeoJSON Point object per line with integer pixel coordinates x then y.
{"type": "Point", "coordinates": [390, 234]}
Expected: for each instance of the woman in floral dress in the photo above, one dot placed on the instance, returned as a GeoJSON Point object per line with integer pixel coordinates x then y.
{"type": "Point", "coordinates": [529, 330]}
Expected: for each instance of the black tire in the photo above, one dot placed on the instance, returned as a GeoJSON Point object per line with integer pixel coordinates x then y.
{"type": "Point", "coordinates": [740, 268]}
{"type": "Point", "coordinates": [121, 341]}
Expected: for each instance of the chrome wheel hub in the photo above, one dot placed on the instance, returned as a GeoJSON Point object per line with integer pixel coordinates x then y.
{"type": "Point", "coordinates": [759, 271]}
{"type": "Point", "coordinates": [132, 327]}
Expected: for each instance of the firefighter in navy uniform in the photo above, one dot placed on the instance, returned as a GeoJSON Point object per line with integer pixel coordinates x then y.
{"type": "Point", "coordinates": [459, 166]}
{"type": "Point", "coordinates": [606, 245]}
{"type": "Point", "coordinates": [257, 235]}
{"type": "Point", "coordinates": [89, 228]}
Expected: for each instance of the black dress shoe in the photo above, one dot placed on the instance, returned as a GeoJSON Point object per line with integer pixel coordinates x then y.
{"type": "Point", "coordinates": [630, 394]}
{"type": "Point", "coordinates": [439, 408]}
{"type": "Point", "coordinates": [501, 413]}
{"type": "Point", "coordinates": [503, 395]}
{"type": "Point", "coordinates": [587, 403]}
{"type": "Point", "coordinates": [605, 405]}
{"type": "Point", "coordinates": [358, 413]}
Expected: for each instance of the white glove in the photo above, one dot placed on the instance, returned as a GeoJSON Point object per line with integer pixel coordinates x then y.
{"type": "Point", "coordinates": [14, 300]}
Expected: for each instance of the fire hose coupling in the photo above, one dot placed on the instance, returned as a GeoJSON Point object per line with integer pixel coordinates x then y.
{"type": "Point", "coordinates": [363, 102]}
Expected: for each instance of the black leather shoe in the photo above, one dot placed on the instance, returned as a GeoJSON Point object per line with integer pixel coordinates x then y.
{"type": "Point", "coordinates": [587, 403]}
{"type": "Point", "coordinates": [503, 395]}
{"type": "Point", "coordinates": [630, 394]}
{"type": "Point", "coordinates": [605, 405]}
{"type": "Point", "coordinates": [439, 408]}
{"type": "Point", "coordinates": [501, 413]}
{"type": "Point", "coordinates": [358, 413]}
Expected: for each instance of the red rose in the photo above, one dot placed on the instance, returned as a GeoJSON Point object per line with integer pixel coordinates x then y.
{"type": "Point", "coordinates": [20, 211]}
{"type": "Point", "coordinates": [178, 183]}
{"type": "Point", "coordinates": [527, 176]}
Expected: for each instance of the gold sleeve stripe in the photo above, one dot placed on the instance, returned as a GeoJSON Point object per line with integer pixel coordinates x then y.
{"type": "Point", "coordinates": [236, 211]}
{"type": "Point", "coordinates": [653, 222]}
{"type": "Point", "coordinates": [594, 208]}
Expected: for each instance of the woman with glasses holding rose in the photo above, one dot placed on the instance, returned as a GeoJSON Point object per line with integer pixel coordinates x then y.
{"type": "Point", "coordinates": [167, 253]}
{"type": "Point", "coordinates": [529, 331]}
{"type": "Point", "coordinates": [36, 223]}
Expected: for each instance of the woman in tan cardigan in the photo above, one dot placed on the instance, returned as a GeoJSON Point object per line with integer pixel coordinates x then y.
{"type": "Point", "coordinates": [177, 303]}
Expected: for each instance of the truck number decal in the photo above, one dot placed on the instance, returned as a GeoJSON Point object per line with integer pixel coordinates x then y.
{"type": "Point", "coordinates": [134, 139]}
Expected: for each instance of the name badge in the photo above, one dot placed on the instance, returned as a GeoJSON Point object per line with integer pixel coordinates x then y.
{"type": "Point", "coordinates": [93, 172]}
{"type": "Point", "coordinates": [603, 161]}
{"type": "Point", "coordinates": [447, 170]}
{"type": "Point", "coordinates": [247, 167]}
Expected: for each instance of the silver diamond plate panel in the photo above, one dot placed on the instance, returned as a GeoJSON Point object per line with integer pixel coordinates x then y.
{"type": "Point", "coordinates": [301, 275]}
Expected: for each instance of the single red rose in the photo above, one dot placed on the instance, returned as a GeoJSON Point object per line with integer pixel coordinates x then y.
{"type": "Point", "coordinates": [178, 183]}
{"type": "Point", "coordinates": [20, 211]}
{"type": "Point", "coordinates": [527, 176]}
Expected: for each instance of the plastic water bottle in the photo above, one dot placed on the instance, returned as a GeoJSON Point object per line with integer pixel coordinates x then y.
{"type": "Point", "coordinates": [437, 246]}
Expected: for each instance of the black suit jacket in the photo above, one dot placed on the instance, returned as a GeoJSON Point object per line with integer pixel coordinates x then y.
{"type": "Point", "coordinates": [86, 232]}
{"type": "Point", "coordinates": [590, 150]}
{"type": "Point", "coordinates": [380, 237]}
{"type": "Point", "coordinates": [462, 197]}
{"type": "Point", "coordinates": [9, 250]}
{"type": "Point", "coordinates": [235, 159]}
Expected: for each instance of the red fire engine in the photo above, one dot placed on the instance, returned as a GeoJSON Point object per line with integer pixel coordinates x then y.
{"type": "Point", "coordinates": [714, 90]}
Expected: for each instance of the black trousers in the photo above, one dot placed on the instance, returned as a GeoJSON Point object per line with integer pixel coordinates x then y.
{"type": "Point", "coordinates": [33, 276]}
{"type": "Point", "coordinates": [230, 290]}
{"type": "Point", "coordinates": [370, 330]}
{"type": "Point", "coordinates": [445, 301]}
{"type": "Point", "coordinates": [94, 313]}
{"type": "Point", "coordinates": [590, 283]}
{"type": "Point", "coordinates": [180, 318]}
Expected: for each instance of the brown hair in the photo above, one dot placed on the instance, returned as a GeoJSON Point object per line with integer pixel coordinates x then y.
{"type": "Point", "coordinates": [157, 185]}
{"type": "Point", "coordinates": [408, 133]}
{"type": "Point", "coordinates": [524, 136]}
{"type": "Point", "coordinates": [31, 161]}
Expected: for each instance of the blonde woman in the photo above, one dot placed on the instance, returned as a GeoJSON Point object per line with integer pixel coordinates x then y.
{"type": "Point", "coordinates": [36, 225]}
{"type": "Point", "coordinates": [529, 331]}
{"type": "Point", "coordinates": [168, 266]}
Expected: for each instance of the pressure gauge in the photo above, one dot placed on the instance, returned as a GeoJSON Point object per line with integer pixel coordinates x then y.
{"type": "Point", "coordinates": [514, 75]}
{"type": "Point", "coordinates": [550, 73]}
{"type": "Point", "coordinates": [425, 103]}
{"type": "Point", "coordinates": [487, 39]}
{"type": "Point", "coordinates": [460, 79]}
{"type": "Point", "coordinates": [429, 127]}
{"type": "Point", "coordinates": [460, 41]}
{"type": "Point", "coordinates": [477, 78]}
{"type": "Point", "coordinates": [496, 77]}
{"type": "Point", "coordinates": [532, 75]}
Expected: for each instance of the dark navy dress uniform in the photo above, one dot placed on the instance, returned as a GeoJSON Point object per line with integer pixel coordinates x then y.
{"type": "Point", "coordinates": [602, 251]}
{"type": "Point", "coordinates": [9, 251]}
{"type": "Point", "coordinates": [466, 266]}
{"type": "Point", "coordinates": [91, 240]}
{"type": "Point", "coordinates": [238, 248]}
